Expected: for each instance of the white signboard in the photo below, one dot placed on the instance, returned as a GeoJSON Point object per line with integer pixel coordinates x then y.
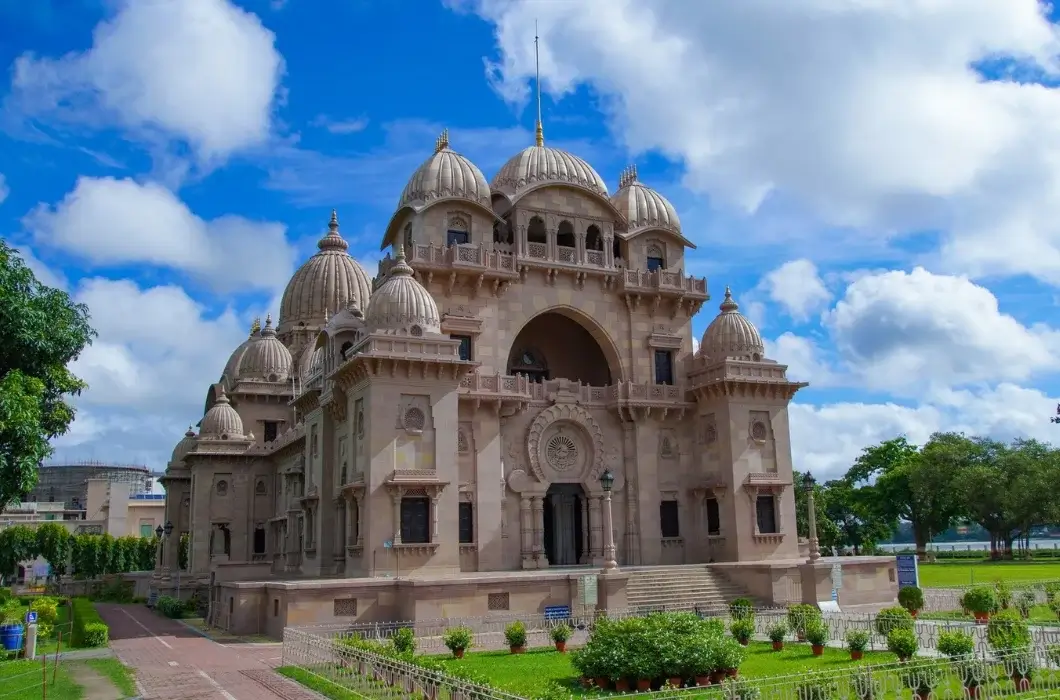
{"type": "Point", "coordinates": [837, 576]}
{"type": "Point", "coordinates": [828, 606]}
{"type": "Point", "coordinates": [590, 594]}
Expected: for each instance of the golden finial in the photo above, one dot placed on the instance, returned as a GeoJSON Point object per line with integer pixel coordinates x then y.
{"type": "Point", "coordinates": [442, 142]}
{"type": "Point", "coordinates": [255, 326]}
{"type": "Point", "coordinates": [539, 132]}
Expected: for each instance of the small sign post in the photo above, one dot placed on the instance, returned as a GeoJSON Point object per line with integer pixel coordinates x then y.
{"type": "Point", "coordinates": [908, 570]}
{"type": "Point", "coordinates": [590, 593]}
{"type": "Point", "coordinates": [31, 617]}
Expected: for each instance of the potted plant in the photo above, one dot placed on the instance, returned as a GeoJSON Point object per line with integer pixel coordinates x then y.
{"type": "Point", "coordinates": [776, 633]}
{"type": "Point", "coordinates": [955, 644]}
{"type": "Point", "coordinates": [857, 642]}
{"type": "Point", "coordinates": [1003, 594]}
{"type": "Point", "coordinates": [921, 677]}
{"type": "Point", "coordinates": [902, 643]}
{"type": "Point", "coordinates": [743, 628]}
{"type": "Point", "coordinates": [11, 629]}
{"type": "Point", "coordinates": [799, 616]}
{"type": "Point", "coordinates": [1052, 653]}
{"type": "Point", "coordinates": [973, 673]}
{"type": "Point", "coordinates": [893, 618]}
{"type": "Point", "coordinates": [912, 599]}
{"type": "Point", "coordinates": [817, 636]}
{"type": "Point", "coordinates": [1007, 632]}
{"type": "Point", "coordinates": [739, 689]}
{"type": "Point", "coordinates": [865, 685]}
{"type": "Point", "coordinates": [741, 607]}
{"type": "Point", "coordinates": [816, 690]}
{"type": "Point", "coordinates": [981, 601]}
{"type": "Point", "coordinates": [1021, 667]}
{"type": "Point", "coordinates": [560, 634]}
{"type": "Point", "coordinates": [700, 661]}
{"type": "Point", "coordinates": [515, 635]}
{"type": "Point", "coordinates": [458, 640]}
{"type": "Point", "coordinates": [729, 657]}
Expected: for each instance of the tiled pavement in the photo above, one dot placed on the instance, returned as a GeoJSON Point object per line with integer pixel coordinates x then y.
{"type": "Point", "coordinates": [173, 662]}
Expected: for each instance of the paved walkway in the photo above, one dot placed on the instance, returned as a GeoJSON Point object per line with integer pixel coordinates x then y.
{"type": "Point", "coordinates": [173, 662]}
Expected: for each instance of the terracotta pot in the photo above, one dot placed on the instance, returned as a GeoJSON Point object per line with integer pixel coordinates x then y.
{"type": "Point", "coordinates": [971, 691]}
{"type": "Point", "coordinates": [702, 680]}
{"type": "Point", "coordinates": [561, 647]}
{"type": "Point", "coordinates": [744, 642]}
{"type": "Point", "coordinates": [1022, 683]}
{"type": "Point", "coordinates": [856, 655]}
{"type": "Point", "coordinates": [643, 684]}
{"type": "Point", "coordinates": [801, 636]}
{"type": "Point", "coordinates": [676, 682]}
{"type": "Point", "coordinates": [717, 677]}
{"type": "Point", "coordinates": [458, 653]}
{"type": "Point", "coordinates": [622, 684]}
{"type": "Point", "coordinates": [602, 682]}
{"type": "Point", "coordinates": [818, 649]}
{"type": "Point", "coordinates": [914, 613]}
{"type": "Point", "coordinates": [778, 646]}
{"type": "Point", "coordinates": [732, 672]}
{"type": "Point", "coordinates": [518, 650]}
{"type": "Point", "coordinates": [586, 682]}
{"type": "Point", "coordinates": [903, 659]}
{"type": "Point", "coordinates": [982, 618]}
{"type": "Point", "coordinates": [921, 695]}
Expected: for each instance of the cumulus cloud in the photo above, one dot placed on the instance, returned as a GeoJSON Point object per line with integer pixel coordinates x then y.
{"type": "Point", "coordinates": [114, 222]}
{"type": "Point", "coordinates": [797, 288]}
{"type": "Point", "coordinates": [868, 114]}
{"type": "Point", "coordinates": [202, 72]}
{"type": "Point", "coordinates": [804, 358]}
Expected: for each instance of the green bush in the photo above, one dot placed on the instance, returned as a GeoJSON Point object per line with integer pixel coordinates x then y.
{"type": "Point", "coordinates": [741, 607]}
{"type": "Point", "coordinates": [922, 676]}
{"type": "Point", "coordinates": [1053, 654]}
{"type": "Point", "coordinates": [955, 644]}
{"type": "Point", "coordinates": [560, 633]}
{"type": "Point", "coordinates": [800, 615]}
{"type": "Point", "coordinates": [778, 631]}
{"type": "Point", "coordinates": [457, 639]}
{"type": "Point", "coordinates": [902, 642]}
{"type": "Point", "coordinates": [890, 619]}
{"type": "Point", "coordinates": [89, 629]}
{"type": "Point", "coordinates": [1054, 605]}
{"type": "Point", "coordinates": [857, 640]}
{"type": "Point", "coordinates": [404, 641]}
{"type": "Point", "coordinates": [1003, 593]}
{"type": "Point", "coordinates": [743, 628]}
{"type": "Point", "coordinates": [816, 690]}
{"type": "Point", "coordinates": [515, 634]}
{"type": "Point", "coordinates": [911, 598]}
{"type": "Point", "coordinates": [816, 633]}
{"type": "Point", "coordinates": [170, 607]}
{"type": "Point", "coordinates": [981, 599]}
{"type": "Point", "coordinates": [1007, 631]}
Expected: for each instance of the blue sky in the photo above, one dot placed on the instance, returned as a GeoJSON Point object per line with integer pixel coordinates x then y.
{"type": "Point", "coordinates": [878, 186]}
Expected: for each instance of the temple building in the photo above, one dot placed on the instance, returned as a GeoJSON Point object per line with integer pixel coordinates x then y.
{"type": "Point", "coordinates": [520, 371]}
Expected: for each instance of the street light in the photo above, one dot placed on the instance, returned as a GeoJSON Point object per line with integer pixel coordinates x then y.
{"type": "Point", "coordinates": [607, 480]}
{"type": "Point", "coordinates": [168, 530]}
{"type": "Point", "coordinates": [808, 482]}
{"type": "Point", "coordinates": [158, 532]}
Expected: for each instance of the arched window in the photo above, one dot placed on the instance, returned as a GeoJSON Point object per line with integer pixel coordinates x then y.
{"type": "Point", "coordinates": [345, 348]}
{"type": "Point", "coordinates": [535, 231]}
{"type": "Point", "coordinates": [408, 238]}
{"type": "Point", "coordinates": [656, 258]}
{"type": "Point", "coordinates": [593, 239]}
{"type": "Point", "coordinates": [458, 231]}
{"type": "Point", "coordinates": [565, 234]}
{"type": "Point", "coordinates": [531, 363]}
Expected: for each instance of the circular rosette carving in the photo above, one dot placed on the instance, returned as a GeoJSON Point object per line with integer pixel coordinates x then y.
{"type": "Point", "coordinates": [562, 448]}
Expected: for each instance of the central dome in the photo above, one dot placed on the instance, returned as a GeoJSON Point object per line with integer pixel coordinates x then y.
{"type": "Point", "coordinates": [538, 165]}
{"type": "Point", "coordinates": [327, 282]}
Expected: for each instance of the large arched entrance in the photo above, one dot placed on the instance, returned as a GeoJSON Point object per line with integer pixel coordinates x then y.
{"type": "Point", "coordinates": [558, 344]}
{"type": "Point", "coordinates": [564, 515]}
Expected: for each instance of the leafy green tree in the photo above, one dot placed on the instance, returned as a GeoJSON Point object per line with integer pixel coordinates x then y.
{"type": "Point", "coordinates": [851, 511]}
{"type": "Point", "coordinates": [43, 331]}
{"type": "Point", "coordinates": [54, 544]}
{"type": "Point", "coordinates": [827, 533]}
{"type": "Point", "coordinates": [18, 543]}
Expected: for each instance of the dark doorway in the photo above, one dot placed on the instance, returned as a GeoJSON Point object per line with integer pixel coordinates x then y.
{"type": "Point", "coordinates": [564, 510]}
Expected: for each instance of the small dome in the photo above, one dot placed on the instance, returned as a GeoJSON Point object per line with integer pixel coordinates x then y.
{"type": "Point", "coordinates": [446, 175]}
{"type": "Point", "coordinates": [231, 372]}
{"type": "Point", "coordinates": [541, 164]}
{"type": "Point", "coordinates": [349, 319]}
{"type": "Point", "coordinates": [186, 444]}
{"type": "Point", "coordinates": [643, 207]}
{"type": "Point", "coordinates": [314, 362]}
{"type": "Point", "coordinates": [266, 358]}
{"type": "Point", "coordinates": [401, 304]}
{"type": "Point", "coordinates": [221, 421]}
{"type": "Point", "coordinates": [327, 281]}
{"type": "Point", "coordinates": [731, 335]}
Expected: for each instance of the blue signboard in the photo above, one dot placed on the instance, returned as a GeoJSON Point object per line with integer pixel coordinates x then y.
{"type": "Point", "coordinates": [908, 573]}
{"type": "Point", "coordinates": [31, 617]}
{"type": "Point", "coordinates": [557, 612]}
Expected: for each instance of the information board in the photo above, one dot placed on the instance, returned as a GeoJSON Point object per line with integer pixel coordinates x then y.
{"type": "Point", "coordinates": [908, 572]}
{"type": "Point", "coordinates": [557, 612]}
{"type": "Point", "coordinates": [590, 592]}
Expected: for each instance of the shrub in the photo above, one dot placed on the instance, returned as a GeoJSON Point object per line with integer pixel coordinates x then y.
{"type": "Point", "coordinates": [1052, 590]}
{"type": "Point", "coordinates": [980, 599]}
{"type": "Point", "coordinates": [1054, 605]}
{"type": "Point", "coordinates": [857, 640]}
{"type": "Point", "coordinates": [955, 644]}
{"type": "Point", "coordinates": [778, 631]}
{"type": "Point", "coordinates": [741, 607]}
{"type": "Point", "coordinates": [902, 642]}
{"type": "Point", "coordinates": [972, 672]}
{"type": "Point", "coordinates": [1025, 600]}
{"type": "Point", "coordinates": [800, 615]}
{"type": "Point", "coordinates": [743, 628]}
{"type": "Point", "coordinates": [816, 633]}
{"type": "Point", "coordinates": [890, 619]}
{"type": "Point", "coordinates": [1008, 631]}
{"type": "Point", "coordinates": [515, 634]}
{"type": "Point", "coordinates": [560, 633]}
{"type": "Point", "coordinates": [740, 689]}
{"type": "Point", "coordinates": [729, 654]}
{"type": "Point", "coordinates": [1003, 594]}
{"type": "Point", "coordinates": [170, 607]}
{"type": "Point", "coordinates": [89, 629]}
{"type": "Point", "coordinates": [816, 690]}
{"type": "Point", "coordinates": [922, 676]}
{"type": "Point", "coordinates": [5, 595]}
{"type": "Point", "coordinates": [404, 641]}
{"type": "Point", "coordinates": [911, 598]}
{"type": "Point", "coordinates": [1053, 654]}
{"type": "Point", "coordinates": [458, 638]}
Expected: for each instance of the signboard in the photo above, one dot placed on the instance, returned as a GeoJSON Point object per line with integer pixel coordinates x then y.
{"type": "Point", "coordinates": [388, 544]}
{"type": "Point", "coordinates": [31, 617]}
{"type": "Point", "coordinates": [908, 571]}
{"type": "Point", "coordinates": [557, 612]}
{"type": "Point", "coordinates": [835, 594]}
{"type": "Point", "coordinates": [590, 592]}
{"type": "Point", "coordinates": [837, 576]}
{"type": "Point", "coordinates": [828, 606]}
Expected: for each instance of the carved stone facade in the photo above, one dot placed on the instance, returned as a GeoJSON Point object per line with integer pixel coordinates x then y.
{"type": "Point", "coordinates": [456, 413]}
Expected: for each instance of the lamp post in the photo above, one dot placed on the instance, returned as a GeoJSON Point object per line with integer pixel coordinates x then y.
{"type": "Point", "coordinates": [168, 530]}
{"type": "Point", "coordinates": [607, 480]}
{"type": "Point", "coordinates": [808, 482]}
{"type": "Point", "coordinates": [161, 550]}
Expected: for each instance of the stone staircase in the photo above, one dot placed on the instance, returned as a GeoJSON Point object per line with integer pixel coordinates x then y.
{"type": "Point", "coordinates": [681, 588]}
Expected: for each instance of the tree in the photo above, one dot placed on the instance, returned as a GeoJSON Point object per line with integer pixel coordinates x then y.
{"type": "Point", "coordinates": [43, 331]}
{"type": "Point", "coordinates": [827, 534]}
{"type": "Point", "coordinates": [858, 524]}
{"type": "Point", "coordinates": [54, 544]}
{"type": "Point", "coordinates": [18, 543]}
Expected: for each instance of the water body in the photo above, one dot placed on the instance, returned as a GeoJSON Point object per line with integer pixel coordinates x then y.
{"type": "Point", "coordinates": [967, 546]}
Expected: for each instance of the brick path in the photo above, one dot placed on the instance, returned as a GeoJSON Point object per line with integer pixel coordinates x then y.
{"type": "Point", "coordinates": [174, 663]}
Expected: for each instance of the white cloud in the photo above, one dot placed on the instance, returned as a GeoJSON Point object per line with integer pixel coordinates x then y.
{"type": "Point", "coordinates": [803, 358]}
{"type": "Point", "coordinates": [827, 439]}
{"type": "Point", "coordinates": [798, 288]}
{"type": "Point", "coordinates": [113, 222]}
{"type": "Point", "coordinates": [911, 331]}
{"type": "Point", "coordinates": [342, 126]}
{"type": "Point", "coordinates": [204, 72]}
{"type": "Point", "coordinates": [870, 114]}
{"type": "Point", "coordinates": [4, 189]}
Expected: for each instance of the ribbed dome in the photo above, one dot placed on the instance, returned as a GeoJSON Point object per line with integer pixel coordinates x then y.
{"type": "Point", "coordinates": [231, 371]}
{"type": "Point", "coordinates": [731, 335]}
{"type": "Point", "coordinates": [541, 164]}
{"type": "Point", "coordinates": [186, 444]}
{"type": "Point", "coordinates": [446, 175]}
{"type": "Point", "coordinates": [349, 319]}
{"type": "Point", "coordinates": [314, 362]}
{"type": "Point", "coordinates": [221, 421]}
{"type": "Point", "coordinates": [266, 358]}
{"type": "Point", "coordinates": [643, 207]}
{"type": "Point", "coordinates": [326, 282]}
{"type": "Point", "coordinates": [401, 304]}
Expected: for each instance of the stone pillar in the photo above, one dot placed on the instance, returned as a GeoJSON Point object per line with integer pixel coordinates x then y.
{"type": "Point", "coordinates": [538, 506]}
{"type": "Point", "coordinates": [525, 530]}
{"type": "Point", "coordinates": [434, 519]}
{"type": "Point", "coordinates": [596, 549]}
{"type": "Point", "coordinates": [586, 551]}
{"type": "Point", "coordinates": [579, 243]}
{"type": "Point", "coordinates": [609, 251]}
{"type": "Point", "coordinates": [395, 498]}
{"type": "Point", "coordinates": [359, 499]}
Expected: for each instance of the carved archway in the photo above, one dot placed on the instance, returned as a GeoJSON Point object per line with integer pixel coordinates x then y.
{"type": "Point", "coordinates": [598, 333]}
{"type": "Point", "coordinates": [565, 448]}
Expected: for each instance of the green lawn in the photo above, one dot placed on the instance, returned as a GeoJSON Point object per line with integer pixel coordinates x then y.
{"type": "Point", "coordinates": [123, 677]}
{"type": "Point", "coordinates": [947, 574]}
{"type": "Point", "coordinates": [533, 673]}
{"type": "Point", "coordinates": [24, 680]}
{"type": "Point", "coordinates": [319, 684]}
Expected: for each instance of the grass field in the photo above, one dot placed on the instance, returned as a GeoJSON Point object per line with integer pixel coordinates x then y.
{"type": "Point", "coordinates": [946, 574]}
{"type": "Point", "coordinates": [123, 677]}
{"type": "Point", "coordinates": [24, 680]}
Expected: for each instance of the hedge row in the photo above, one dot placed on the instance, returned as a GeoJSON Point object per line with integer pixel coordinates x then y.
{"type": "Point", "coordinates": [89, 628]}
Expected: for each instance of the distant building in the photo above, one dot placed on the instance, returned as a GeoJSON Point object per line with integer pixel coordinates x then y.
{"type": "Point", "coordinates": [66, 483]}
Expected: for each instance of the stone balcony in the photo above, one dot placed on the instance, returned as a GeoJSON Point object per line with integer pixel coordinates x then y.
{"type": "Point", "coordinates": [484, 266]}
{"type": "Point", "coordinates": [511, 394]}
{"type": "Point", "coordinates": [506, 394]}
{"type": "Point", "coordinates": [655, 288]}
